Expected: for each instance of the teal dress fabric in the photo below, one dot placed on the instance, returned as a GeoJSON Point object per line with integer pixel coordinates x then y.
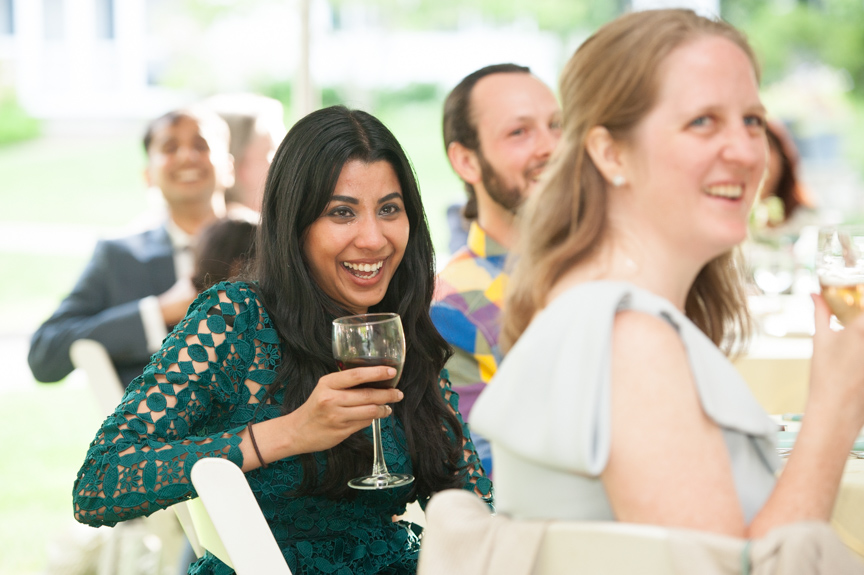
{"type": "Point", "coordinates": [198, 392]}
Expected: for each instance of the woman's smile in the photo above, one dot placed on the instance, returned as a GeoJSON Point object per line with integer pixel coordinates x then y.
{"type": "Point", "coordinates": [364, 271]}
{"type": "Point", "coordinates": [355, 246]}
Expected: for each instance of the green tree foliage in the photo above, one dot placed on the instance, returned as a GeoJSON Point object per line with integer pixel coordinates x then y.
{"type": "Point", "coordinates": [560, 16]}
{"type": "Point", "coordinates": [786, 33]}
{"type": "Point", "coordinates": [15, 124]}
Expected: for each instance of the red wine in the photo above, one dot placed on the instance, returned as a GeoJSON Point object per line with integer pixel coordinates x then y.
{"type": "Point", "coordinates": [371, 361]}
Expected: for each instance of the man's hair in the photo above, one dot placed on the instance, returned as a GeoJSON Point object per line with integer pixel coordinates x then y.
{"type": "Point", "coordinates": [248, 115]}
{"type": "Point", "coordinates": [203, 116]}
{"type": "Point", "coordinates": [458, 123]}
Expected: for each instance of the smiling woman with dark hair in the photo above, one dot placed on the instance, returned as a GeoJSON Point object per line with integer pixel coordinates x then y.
{"type": "Point", "coordinates": [249, 375]}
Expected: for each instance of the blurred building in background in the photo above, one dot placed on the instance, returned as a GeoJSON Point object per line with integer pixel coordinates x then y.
{"type": "Point", "coordinates": [119, 59]}
{"type": "Point", "coordinates": [84, 66]}
{"type": "Point", "coordinates": [79, 59]}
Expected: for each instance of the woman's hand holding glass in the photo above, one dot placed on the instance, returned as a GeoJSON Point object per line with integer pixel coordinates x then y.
{"type": "Point", "coordinates": [837, 369]}
{"type": "Point", "coordinates": [373, 339]}
{"type": "Point", "coordinates": [840, 267]}
{"type": "Point", "coordinates": [337, 408]}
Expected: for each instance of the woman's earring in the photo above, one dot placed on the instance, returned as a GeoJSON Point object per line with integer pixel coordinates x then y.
{"type": "Point", "coordinates": [618, 180]}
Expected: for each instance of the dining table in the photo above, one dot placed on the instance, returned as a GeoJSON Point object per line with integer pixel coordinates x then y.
{"type": "Point", "coordinates": [848, 516]}
{"type": "Point", "coordinates": [776, 360]}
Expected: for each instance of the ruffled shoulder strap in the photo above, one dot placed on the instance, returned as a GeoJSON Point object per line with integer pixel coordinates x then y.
{"type": "Point", "coordinates": [549, 401]}
{"type": "Point", "coordinates": [534, 406]}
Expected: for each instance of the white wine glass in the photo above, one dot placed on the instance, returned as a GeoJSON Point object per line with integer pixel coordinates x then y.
{"type": "Point", "coordinates": [773, 268]}
{"type": "Point", "coordinates": [840, 268]}
{"type": "Point", "coordinates": [367, 340]}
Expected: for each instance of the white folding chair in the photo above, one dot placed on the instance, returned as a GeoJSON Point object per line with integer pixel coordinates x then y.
{"type": "Point", "coordinates": [462, 538]}
{"type": "Point", "coordinates": [184, 516]}
{"type": "Point", "coordinates": [228, 521]}
{"type": "Point", "coordinates": [92, 358]}
{"type": "Point", "coordinates": [604, 548]}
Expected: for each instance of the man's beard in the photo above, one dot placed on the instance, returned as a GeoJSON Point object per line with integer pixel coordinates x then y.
{"type": "Point", "coordinates": [510, 198]}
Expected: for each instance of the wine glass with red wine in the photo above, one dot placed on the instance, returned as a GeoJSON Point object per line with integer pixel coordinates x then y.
{"type": "Point", "coordinates": [366, 340]}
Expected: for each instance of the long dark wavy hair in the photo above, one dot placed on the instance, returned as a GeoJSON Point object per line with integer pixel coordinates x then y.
{"type": "Point", "coordinates": [301, 180]}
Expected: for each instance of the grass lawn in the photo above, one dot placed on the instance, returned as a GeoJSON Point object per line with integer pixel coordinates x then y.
{"type": "Point", "coordinates": [86, 181]}
{"type": "Point", "coordinates": [43, 440]}
{"type": "Point", "coordinates": [418, 129]}
{"type": "Point", "coordinates": [44, 280]}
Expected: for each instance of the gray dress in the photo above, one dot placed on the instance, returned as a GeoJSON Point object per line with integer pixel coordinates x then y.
{"type": "Point", "coordinates": [547, 410]}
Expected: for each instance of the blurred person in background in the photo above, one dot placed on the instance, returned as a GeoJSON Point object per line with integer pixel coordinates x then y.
{"type": "Point", "coordinates": [223, 250]}
{"type": "Point", "coordinates": [793, 207]}
{"type": "Point", "coordinates": [615, 401]}
{"type": "Point", "coordinates": [780, 253]}
{"type": "Point", "coordinates": [257, 126]}
{"type": "Point", "coordinates": [500, 126]}
{"type": "Point", "coordinates": [136, 288]}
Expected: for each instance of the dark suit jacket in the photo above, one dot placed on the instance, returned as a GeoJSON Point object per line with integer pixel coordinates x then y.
{"type": "Point", "coordinates": [104, 306]}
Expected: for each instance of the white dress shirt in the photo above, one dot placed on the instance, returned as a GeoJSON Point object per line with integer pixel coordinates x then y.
{"type": "Point", "coordinates": [155, 329]}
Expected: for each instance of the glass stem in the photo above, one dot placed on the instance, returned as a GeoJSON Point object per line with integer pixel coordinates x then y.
{"type": "Point", "coordinates": [378, 465]}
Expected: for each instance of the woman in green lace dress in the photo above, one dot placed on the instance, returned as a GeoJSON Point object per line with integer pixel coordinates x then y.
{"type": "Point", "coordinates": [248, 375]}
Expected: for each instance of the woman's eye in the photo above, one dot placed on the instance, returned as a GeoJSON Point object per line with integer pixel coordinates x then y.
{"type": "Point", "coordinates": [390, 209]}
{"type": "Point", "coordinates": [700, 121]}
{"type": "Point", "coordinates": [754, 121]}
{"type": "Point", "coordinates": [517, 132]}
{"type": "Point", "coordinates": [341, 212]}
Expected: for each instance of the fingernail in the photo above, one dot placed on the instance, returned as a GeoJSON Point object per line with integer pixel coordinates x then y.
{"type": "Point", "coordinates": [391, 371]}
{"type": "Point", "coordinates": [401, 395]}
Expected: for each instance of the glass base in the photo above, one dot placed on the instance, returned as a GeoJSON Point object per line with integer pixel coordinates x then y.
{"type": "Point", "coordinates": [384, 481]}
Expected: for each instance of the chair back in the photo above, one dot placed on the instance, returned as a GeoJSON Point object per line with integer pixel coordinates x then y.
{"type": "Point", "coordinates": [462, 538]}
{"type": "Point", "coordinates": [228, 521]}
{"type": "Point", "coordinates": [604, 548]}
{"type": "Point", "coordinates": [184, 516]}
{"type": "Point", "coordinates": [92, 358]}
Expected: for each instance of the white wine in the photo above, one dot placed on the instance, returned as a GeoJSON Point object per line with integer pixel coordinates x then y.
{"type": "Point", "coordinates": [845, 296]}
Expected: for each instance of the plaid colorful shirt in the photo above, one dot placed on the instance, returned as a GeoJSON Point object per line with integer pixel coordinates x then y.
{"type": "Point", "coordinates": [468, 297]}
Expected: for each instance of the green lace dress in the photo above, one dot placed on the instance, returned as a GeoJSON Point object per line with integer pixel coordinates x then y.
{"type": "Point", "coordinates": [198, 392]}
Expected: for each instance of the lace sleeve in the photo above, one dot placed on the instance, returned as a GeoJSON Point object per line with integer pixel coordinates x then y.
{"type": "Point", "coordinates": [475, 477]}
{"type": "Point", "coordinates": [192, 400]}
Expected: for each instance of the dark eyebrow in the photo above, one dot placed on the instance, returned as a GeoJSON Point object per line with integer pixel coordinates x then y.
{"type": "Point", "coordinates": [355, 201]}
{"type": "Point", "coordinates": [346, 199]}
{"type": "Point", "coordinates": [389, 197]}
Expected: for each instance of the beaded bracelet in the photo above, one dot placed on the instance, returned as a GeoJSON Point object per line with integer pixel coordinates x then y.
{"type": "Point", "coordinates": [255, 446]}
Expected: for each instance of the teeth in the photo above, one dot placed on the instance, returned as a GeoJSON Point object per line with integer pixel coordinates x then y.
{"type": "Point", "coordinates": [364, 267]}
{"type": "Point", "coordinates": [726, 191]}
{"type": "Point", "coordinates": [189, 175]}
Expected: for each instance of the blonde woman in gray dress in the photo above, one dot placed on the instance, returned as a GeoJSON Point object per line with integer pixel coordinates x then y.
{"type": "Point", "coordinates": [615, 400]}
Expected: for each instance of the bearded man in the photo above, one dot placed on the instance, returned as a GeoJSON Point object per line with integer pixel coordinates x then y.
{"type": "Point", "coordinates": [501, 124]}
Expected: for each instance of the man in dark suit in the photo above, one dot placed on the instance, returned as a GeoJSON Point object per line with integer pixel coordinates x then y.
{"type": "Point", "coordinates": [136, 288]}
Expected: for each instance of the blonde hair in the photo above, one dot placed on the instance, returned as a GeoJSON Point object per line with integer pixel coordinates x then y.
{"type": "Point", "coordinates": [612, 81]}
